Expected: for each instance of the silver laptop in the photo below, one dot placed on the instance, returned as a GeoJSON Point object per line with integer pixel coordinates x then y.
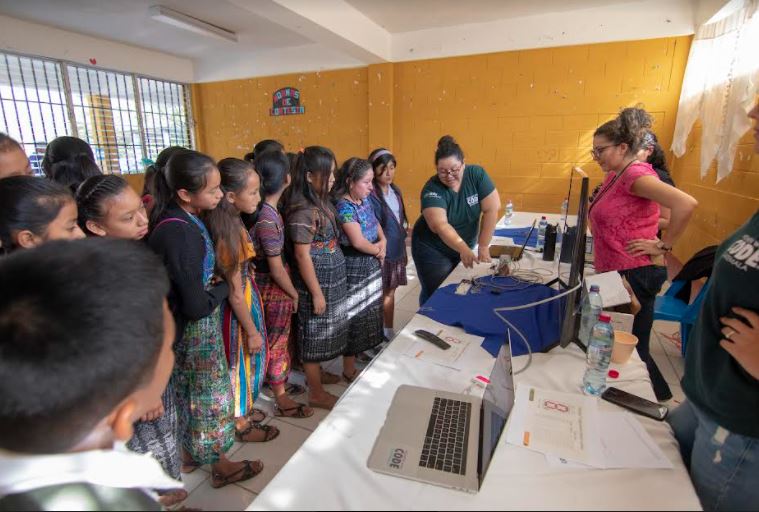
{"type": "Point", "coordinates": [445, 439]}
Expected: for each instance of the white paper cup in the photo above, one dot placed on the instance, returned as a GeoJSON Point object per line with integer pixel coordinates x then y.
{"type": "Point", "coordinates": [624, 344]}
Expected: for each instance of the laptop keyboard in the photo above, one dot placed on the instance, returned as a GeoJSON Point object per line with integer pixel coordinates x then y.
{"type": "Point", "coordinates": [447, 436]}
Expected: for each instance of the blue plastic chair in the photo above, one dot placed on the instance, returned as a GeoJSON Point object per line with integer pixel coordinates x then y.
{"type": "Point", "coordinates": [668, 307]}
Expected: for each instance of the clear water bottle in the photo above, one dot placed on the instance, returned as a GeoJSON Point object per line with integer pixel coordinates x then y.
{"type": "Point", "coordinates": [508, 213]}
{"type": "Point", "coordinates": [564, 210]}
{"type": "Point", "coordinates": [599, 356]}
{"type": "Point", "coordinates": [542, 234]}
{"type": "Point", "coordinates": [592, 307]}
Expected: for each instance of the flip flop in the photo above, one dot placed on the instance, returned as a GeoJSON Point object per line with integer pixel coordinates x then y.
{"type": "Point", "coordinates": [248, 471]}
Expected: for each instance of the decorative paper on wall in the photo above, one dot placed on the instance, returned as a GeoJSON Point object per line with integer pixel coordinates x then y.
{"type": "Point", "coordinates": [286, 102]}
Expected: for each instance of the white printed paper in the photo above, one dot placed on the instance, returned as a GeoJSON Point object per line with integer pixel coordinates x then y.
{"type": "Point", "coordinates": [424, 350]}
{"type": "Point", "coordinates": [564, 425]}
{"type": "Point", "coordinates": [626, 445]}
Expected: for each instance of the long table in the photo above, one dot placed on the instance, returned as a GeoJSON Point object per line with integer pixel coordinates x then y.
{"type": "Point", "coordinates": [329, 471]}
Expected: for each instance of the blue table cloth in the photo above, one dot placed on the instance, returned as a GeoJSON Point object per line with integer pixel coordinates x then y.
{"type": "Point", "coordinates": [519, 235]}
{"type": "Point", "coordinates": [473, 312]}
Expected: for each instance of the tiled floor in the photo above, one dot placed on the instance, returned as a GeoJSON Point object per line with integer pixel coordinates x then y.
{"type": "Point", "coordinates": [294, 432]}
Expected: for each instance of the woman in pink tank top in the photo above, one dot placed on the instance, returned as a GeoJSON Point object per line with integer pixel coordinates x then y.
{"type": "Point", "coordinates": [624, 218]}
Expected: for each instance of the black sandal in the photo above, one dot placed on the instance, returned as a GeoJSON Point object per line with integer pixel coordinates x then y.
{"type": "Point", "coordinates": [245, 473]}
{"type": "Point", "coordinates": [270, 433]}
{"type": "Point", "coordinates": [300, 412]}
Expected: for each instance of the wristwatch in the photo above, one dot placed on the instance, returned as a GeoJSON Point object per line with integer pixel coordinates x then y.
{"type": "Point", "coordinates": [664, 247]}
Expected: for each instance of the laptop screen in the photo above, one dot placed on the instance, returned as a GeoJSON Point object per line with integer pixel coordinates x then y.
{"type": "Point", "coordinates": [497, 403]}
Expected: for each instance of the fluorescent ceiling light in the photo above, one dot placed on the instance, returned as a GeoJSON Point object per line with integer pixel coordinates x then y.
{"type": "Point", "coordinates": [178, 19]}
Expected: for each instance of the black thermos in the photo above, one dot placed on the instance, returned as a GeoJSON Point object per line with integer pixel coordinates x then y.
{"type": "Point", "coordinates": [549, 251]}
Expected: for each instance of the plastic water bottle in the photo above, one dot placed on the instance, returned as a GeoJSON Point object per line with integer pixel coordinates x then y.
{"type": "Point", "coordinates": [592, 307]}
{"type": "Point", "coordinates": [542, 234]}
{"type": "Point", "coordinates": [508, 213]}
{"type": "Point", "coordinates": [564, 210]}
{"type": "Point", "coordinates": [599, 356]}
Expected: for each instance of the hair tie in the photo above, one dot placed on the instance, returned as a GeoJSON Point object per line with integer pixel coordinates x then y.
{"type": "Point", "coordinates": [382, 152]}
{"type": "Point", "coordinates": [147, 162]}
{"type": "Point", "coordinates": [649, 140]}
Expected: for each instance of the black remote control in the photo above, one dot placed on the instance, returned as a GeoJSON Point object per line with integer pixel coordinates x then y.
{"type": "Point", "coordinates": [435, 340]}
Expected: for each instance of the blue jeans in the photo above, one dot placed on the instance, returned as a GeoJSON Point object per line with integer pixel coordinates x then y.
{"type": "Point", "coordinates": [432, 267]}
{"type": "Point", "coordinates": [724, 466]}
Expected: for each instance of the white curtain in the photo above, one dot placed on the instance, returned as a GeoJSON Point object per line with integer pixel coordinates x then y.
{"type": "Point", "coordinates": [720, 86]}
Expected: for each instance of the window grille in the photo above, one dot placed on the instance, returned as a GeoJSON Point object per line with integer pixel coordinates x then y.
{"type": "Point", "coordinates": [124, 117]}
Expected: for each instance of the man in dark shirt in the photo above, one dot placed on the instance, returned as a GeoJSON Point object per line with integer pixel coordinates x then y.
{"type": "Point", "coordinates": [718, 425]}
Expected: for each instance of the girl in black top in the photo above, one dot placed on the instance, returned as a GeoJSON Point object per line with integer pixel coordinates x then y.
{"type": "Point", "coordinates": [189, 185]}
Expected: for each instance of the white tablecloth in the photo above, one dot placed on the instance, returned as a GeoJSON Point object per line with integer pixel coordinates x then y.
{"type": "Point", "coordinates": [329, 471]}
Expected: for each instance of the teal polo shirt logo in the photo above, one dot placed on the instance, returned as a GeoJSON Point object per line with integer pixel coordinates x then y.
{"type": "Point", "coordinates": [473, 200]}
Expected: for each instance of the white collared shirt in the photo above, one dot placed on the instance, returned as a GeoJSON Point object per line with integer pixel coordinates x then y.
{"type": "Point", "coordinates": [118, 468]}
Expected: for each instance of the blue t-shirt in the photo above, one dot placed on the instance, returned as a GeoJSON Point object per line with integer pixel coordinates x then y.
{"type": "Point", "coordinates": [363, 214]}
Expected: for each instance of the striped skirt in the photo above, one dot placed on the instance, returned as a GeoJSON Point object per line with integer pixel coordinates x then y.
{"type": "Point", "coordinates": [364, 303]}
{"type": "Point", "coordinates": [323, 337]}
{"type": "Point", "coordinates": [278, 313]}
{"type": "Point", "coordinates": [203, 393]}
{"type": "Point", "coordinates": [246, 370]}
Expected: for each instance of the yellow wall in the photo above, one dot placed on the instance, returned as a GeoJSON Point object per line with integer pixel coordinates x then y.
{"type": "Point", "coordinates": [526, 116]}
{"type": "Point", "coordinates": [529, 116]}
{"type": "Point", "coordinates": [232, 116]}
{"type": "Point", "coordinates": [722, 207]}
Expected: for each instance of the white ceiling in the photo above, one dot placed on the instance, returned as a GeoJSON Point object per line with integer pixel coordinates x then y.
{"type": "Point", "coordinates": [410, 15]}
{"type": "Point", "coordinates": [128, 21]}
{"type": "Point", "coordinates": [280, 36]}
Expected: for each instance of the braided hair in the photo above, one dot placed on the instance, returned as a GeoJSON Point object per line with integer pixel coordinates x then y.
{"type": "Point", "coordinates": [353, 170]}
{"type": "Point", "coordinates": [92, 196]}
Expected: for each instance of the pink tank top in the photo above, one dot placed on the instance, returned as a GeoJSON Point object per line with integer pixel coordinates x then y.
{"type": "Point", "coordinates": [619, 216]}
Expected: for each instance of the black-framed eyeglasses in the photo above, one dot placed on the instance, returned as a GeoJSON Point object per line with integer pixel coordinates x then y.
{"type": "Point", "coordinates": [597, 152]}
{"type": "Point", "coordinates": [450, 172]}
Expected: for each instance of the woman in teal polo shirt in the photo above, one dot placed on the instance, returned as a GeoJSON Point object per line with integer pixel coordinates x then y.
{"type": "Point", "coordinates": [452, 203]}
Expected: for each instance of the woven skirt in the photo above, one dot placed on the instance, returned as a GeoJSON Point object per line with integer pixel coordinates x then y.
{"type": "Point", "coordinates": [278, 313]}
{"type": "Point", "coordinates": [323, 337]}
{"type": "Point", "coordinates": [394, 274]}
{"type": "Point", "coordinates": [203, 391]}
{"type": "Point", "coordinates": [159, 437]}
{"type": "Point", "coordinates": [364, 303]}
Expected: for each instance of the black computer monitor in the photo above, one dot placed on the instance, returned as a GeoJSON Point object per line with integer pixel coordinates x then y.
{"type": "Point", "coordinates": [575, 236]}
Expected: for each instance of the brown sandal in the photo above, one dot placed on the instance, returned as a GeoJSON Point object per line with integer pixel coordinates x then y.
{"type": "Point", "coordinates": [270, 433]}
{"type": "Point", "coordinates": [350, 380]}
{"type": "Point", "coordinates": [329, 378]}
{"type": "Point", "coordinates": [328, 404]}
{"type": "Point", "coordinates": [251, 417]}
{"type": "Point", "coordinates": [172, 498]}
{"type": "Point", "coordinates": [188, 467]}
{"type": "Point", "coordinates": [248, 471]}
{"type": "Point", "coordinates": [300, 412]}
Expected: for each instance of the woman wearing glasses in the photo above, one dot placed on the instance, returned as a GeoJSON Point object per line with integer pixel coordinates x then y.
{"type": "Point", "coordinates": [452, 203]}
{"type": "Point", "coordinates": [624, 217]}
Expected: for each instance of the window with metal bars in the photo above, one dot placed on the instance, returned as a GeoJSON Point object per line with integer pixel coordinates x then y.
{"type": "Point", "coordinates": [125, 118]}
